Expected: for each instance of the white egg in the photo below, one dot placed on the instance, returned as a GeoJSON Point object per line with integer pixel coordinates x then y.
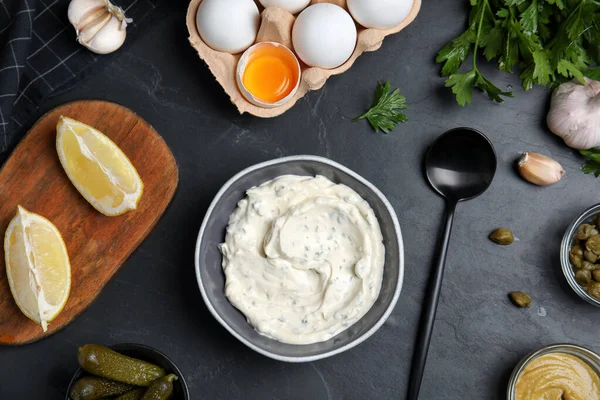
{"type": "Point", "coordinates": [228, 25]}
{"type": "Point", "coordinates": [293, 6]}
{"type": "Point", "coordinates": [324, 35]}
{"type": "Point", "coordinates": [380, 14]}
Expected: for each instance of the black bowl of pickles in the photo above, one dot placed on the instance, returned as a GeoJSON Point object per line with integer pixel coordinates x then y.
{"type": "Point", "coordinates": [580, 255]}
{"type": "Point", "coordinates": [126, 372]}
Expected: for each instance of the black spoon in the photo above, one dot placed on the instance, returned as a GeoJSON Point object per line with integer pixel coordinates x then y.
{"type": "Point", "coordinates": [460, 165]}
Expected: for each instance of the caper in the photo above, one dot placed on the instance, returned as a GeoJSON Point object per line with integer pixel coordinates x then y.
{"type": "Point", "coordinates": [502, 236]}
{"type": "Point", "coordinates": [585, 231]}
{"type": "Point", "coordinates": [588, 266]}
{"type": "Point", "coordinates": [583, 277]}
{"type": "Point", "coordinates": [520, 299]}
{"type": "Point", "coordinates": [593, 289]}
{"type": "Point", "coordinates": [593, 244]}
{"type": "Point", "coordinates": [577, 250]}
{"type": "Point", "coordinates": [577, 261]}
{"type": "Point", "coordinates": [596, 274]}
{"type": "Point", "coordinates": [589, 256]}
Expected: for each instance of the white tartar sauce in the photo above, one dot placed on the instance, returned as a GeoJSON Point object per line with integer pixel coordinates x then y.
{"type": "Point", "coordinates": [303, 258]}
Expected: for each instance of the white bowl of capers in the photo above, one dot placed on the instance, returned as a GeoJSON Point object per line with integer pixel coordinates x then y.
{"type": "Point", "coordinates": [580, 255]}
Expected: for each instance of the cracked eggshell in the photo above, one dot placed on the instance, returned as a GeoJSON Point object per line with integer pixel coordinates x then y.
{"type": "Point", "coordinates": [228, 25]}
{"type": "Point", "coordinates": [324, 36]}
{"type": "Point", "coordinates": [241, 67]}
{"type": "Point", "coordinates": [380, 14]}
{"type": "Point", "coordinates": [292, 6]}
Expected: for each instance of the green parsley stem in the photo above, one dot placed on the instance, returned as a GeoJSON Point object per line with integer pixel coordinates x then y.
{"type": "Point", "coordinates": [478, 34]}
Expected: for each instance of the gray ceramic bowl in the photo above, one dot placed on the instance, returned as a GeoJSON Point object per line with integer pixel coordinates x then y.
{"type": "Point", "coordinates": [591, 358]}
{"type": "Point", "coordinates": [587, 217]}
{"type": "Point", "coordinates": [212, 280]}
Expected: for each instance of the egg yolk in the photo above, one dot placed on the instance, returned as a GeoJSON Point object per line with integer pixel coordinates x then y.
{"type": "Point", "coordinates": [271, 74]}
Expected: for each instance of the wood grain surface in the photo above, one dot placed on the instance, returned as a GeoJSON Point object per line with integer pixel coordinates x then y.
{"type": "Point", "coordinates": [97, 245]}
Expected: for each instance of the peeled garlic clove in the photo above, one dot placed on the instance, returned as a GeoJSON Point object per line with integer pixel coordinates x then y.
{"type": "Point", "coordinates": [100, 25]}
{"type": "Point", "coordinates": [539, 169]}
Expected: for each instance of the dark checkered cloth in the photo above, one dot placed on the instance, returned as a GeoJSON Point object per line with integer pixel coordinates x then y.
{"type": "Point", "coordinates": [39, 56]}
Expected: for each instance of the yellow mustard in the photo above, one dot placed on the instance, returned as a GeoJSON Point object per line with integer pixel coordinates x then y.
{"type": "Point", "coordinates": [558, 376]}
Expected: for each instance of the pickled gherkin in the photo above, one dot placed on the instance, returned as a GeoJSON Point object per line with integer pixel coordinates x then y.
{"type": "Point", "coordinates": [135, 394]}
{"type": "Point", "coordinates": [160, 389]}
{"type": "Point", "coordinates": [106, 363]}
{"type": "Point", "coordinates": [93, 388]}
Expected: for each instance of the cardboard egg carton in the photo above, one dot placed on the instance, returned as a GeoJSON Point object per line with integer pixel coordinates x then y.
{"type": "Point", "coordinates": [276, 26]}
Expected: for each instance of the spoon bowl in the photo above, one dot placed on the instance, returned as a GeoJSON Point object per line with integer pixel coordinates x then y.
{"type": "Point", "coordinates": [460, 165]}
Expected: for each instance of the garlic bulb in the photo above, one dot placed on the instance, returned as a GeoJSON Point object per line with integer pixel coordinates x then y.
{"type": "Point", "coordinates": [100, 25]}
{"type": "Point", "coordinates": [539, 169]}
{"type": "Point", "coordinates": [575, 114]}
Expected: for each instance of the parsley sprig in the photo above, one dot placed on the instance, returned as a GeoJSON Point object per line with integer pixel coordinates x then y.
{"type": "Point", "coordinates": [383, 114]}
{"type": "Point", "coordinates": [592, 163]}
{"type": "Point", "coordinates": [550, 41]}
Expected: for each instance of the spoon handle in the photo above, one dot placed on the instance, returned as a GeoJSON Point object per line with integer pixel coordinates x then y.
{"type": "Point", "coordinates": [430, 308]}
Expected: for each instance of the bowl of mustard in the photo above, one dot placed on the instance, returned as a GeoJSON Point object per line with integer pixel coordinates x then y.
{"type": "Point", "coordinates": [558, 371]}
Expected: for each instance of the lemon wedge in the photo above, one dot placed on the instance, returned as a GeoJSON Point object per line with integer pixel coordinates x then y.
{"type": "Point", "coordinates": [37, 266]}
{"type": "Point", "coordinates": [98, 168]}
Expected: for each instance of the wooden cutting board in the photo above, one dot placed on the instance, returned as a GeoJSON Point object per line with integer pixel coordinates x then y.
{"type": "Point", "coordinates": [97, 245]}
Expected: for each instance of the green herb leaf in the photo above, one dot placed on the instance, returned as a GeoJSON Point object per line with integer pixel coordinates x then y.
{"type": "Point", "coordinates": [383, 114]}
{"type": "Point", "coordinates": [592, 73]}
{"type": "Point", "coordinates": [529, 18]}
{"type": "Point", "coordinates": [503, 13]}
{"type": "Point", "coordinates": [493, 92]}
{"type": "Point", "coordinates": [456, 52]}
{"type": "Point", "coordinates": [568, 70]}
{"type": "Point", "coordinates": [492, 43]}
{"type": "Point", "coordinates": [592, 165]}
{"type": "Point", "coordinates": [592, 154]}
{"type": "Point", "coordinates": [559, 3]}
{"type": "Point", "coordinates": [510, 53]}
{"type": "Point", "coordinates": [526, 77]}
{"type": "Point", "coordinates": [542, 71]}
{"type": "Point", "coordinates": [462, 86]}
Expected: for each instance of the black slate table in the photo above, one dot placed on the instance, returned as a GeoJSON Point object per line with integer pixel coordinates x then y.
{"type": "Point", "coordinates": [479, 336]}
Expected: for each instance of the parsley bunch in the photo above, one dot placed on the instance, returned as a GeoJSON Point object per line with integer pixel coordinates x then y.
{"type": "Point", "coordinates": [550, 41]}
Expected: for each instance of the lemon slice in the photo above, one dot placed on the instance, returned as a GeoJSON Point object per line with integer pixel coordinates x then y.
{"type": "Point", "coordinates": [98, 168]}
{"type": "Point", "coordinates": [37, 266]}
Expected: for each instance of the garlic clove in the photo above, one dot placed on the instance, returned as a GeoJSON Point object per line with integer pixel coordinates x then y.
{"type": "Point", "coordinates": [93, 25]}
{"type": "Point", "coordinates": [79, 9]}
{"type": "Point", "coordinates": [100, 25]}
{"type": "Point", "coordinates": [539, 169]}
{"type": "Point", "coordinates": [110, 38]}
